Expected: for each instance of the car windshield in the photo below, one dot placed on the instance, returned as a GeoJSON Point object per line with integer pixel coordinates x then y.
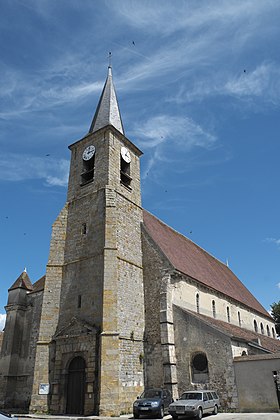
{"type": "Point", "coordinates": [151, 393]}
{"type": "Point", "coordinates": [191, 396]}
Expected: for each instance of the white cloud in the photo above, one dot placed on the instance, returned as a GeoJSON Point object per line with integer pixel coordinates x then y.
{"type": "Point", "coordinates": [182, 131]}
{"type": "Point", "coordinates": [15, 167]}
{"type": "Point", "coordinates": [274, 241]}
{"type": "Point", "coordinates": [278, 285]}
{"type": "Point", "coordinates": [2, 321]}
{"type": "Point", "coordinates": [166, 135]}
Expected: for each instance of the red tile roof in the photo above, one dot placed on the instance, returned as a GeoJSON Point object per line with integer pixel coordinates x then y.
{"type": "Point", "coordinates": [190, 259]}
{"type": "Point", "coordinates": [39, 285]}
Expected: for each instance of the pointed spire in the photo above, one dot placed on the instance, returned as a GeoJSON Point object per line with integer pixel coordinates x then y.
{"type": "Point", "coordinates": [107, 111]}
{"type": "Point", "coordinates": [23, 281]}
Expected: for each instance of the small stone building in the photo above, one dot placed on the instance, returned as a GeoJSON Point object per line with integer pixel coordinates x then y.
{"type": "Point", "coordinates": [126, 302]}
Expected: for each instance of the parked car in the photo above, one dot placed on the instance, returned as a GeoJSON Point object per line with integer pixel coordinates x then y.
{"type": "Point", "coordinates": [195, 404]}
{"type": "Point", "coordinates": [152, 402]}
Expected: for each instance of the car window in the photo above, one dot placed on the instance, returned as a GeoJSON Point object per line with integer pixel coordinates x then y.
{"type": "Point", "coordinates": [191, 396]}
{"type": "Point", "coordinates": [209, 396]}
{"type": "Point", "coordinates": [151, 393]}
{"type": "Point", "coordinates": [205, 398]}
{"type": "Point", "coordinates": [215, 396]}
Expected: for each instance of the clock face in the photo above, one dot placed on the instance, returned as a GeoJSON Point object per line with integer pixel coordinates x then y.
{"type": "Point", "coordinates": [88, 152]}
{"type": "Point", "coordinates": [125, 155]}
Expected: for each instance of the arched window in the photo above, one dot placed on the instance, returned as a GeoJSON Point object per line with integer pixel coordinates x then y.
{"type": "Point", "coordinates": [199, 368]}
{"type": "Point", "coordinates": [262, 329]}
{"type": "Point", "coordinates": [214, 308]}
{"type": "Point", "coordinates": [255, 326]}
{"type": "Point", "coordinates": [197, 303]}
{"type": "Point", "coordinates": [239, 318]}
{"type": "Point", "coordinates": [273, 332]}
{"type": "Point", "coordinates": [228, 314]}
{"type": "Point", "coordinates": [268, 331]}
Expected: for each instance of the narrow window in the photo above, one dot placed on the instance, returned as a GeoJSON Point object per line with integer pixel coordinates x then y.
{"type": "Point", "coordinates": [239, 319]}
{"type": "Point", "coordinates": [228, 314]}
{"type": "Point", "coordinates": [197, 303]}
{"type": "Point", "coordinates": [255, 326]}
{"type": "Point", "coordinates": [79, 301]}
{"type": "Point", "coordinates": [199, 368]}
{"type": "Point", "coordinates": [84, 229]}
{"type": "Point", "coordinates": [268, 330]}
{"type": "Point", "coordinates": [262, 329]}
{"type": "Point", "coordinates": [273, 332]}
{"type": "Point", "coordinates": [214, 308]}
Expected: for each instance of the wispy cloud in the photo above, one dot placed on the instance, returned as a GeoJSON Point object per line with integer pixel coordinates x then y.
{"type": "Point", "coordinates": [2, 321]}
{"type": "Point", "coordinates": [163, 132]}
{"type": "Point", "coordinates": [15, 167]}
{"type": "Point", "coordinates": [278, 285]}
{"type": "Point", "coordinates": [273, 241]}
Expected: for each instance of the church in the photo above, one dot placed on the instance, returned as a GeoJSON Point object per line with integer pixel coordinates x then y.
{"type": "Point", "coordinates": [127, 302]}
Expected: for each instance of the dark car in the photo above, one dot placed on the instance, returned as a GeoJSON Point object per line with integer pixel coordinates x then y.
{"type": "Point", "coordinates": [152, 402]}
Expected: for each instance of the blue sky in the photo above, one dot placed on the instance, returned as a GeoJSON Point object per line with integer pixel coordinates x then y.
{"type": "Point", "coordinates": [198, 85]}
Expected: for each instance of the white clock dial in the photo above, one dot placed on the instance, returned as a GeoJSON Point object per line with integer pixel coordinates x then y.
{"type": "Point", "coordinates": [125, 155]}
{"type": "Point", "coordinates": [88, 152]}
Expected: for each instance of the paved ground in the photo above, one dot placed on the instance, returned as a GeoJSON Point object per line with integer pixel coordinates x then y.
{"type": "Point", "coordinates": [220, 416]}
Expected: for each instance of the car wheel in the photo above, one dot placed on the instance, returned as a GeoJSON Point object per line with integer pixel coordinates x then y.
{"type": "Point", "coordinates": [136, 416]}
{"type": "Point", "coordinates": [200, 414]}
{"type": "Point", "coordinates": [215, 411]}
{"type": "Point", "coordinates": [161, 413]}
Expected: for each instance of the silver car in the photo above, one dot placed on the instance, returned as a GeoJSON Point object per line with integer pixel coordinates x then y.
{"type": "Point", "coordinates": [195, 404]}
{"type": "Point", "coordinates": [6, 416]}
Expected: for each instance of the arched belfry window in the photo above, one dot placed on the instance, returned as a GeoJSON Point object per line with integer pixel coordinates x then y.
{"type": "Point", "coordinates": [214, 308]}
{"type": "Point", "coordinates": [273, 332]}
{"type": "Point", "coordinates": [268, 330]}
{"type": "Point", "coordinates": [262, 329]}
{"type": "Point", "coordinates": [255, 326]}
{"type": "Point", "coordinates": [125, 167]}
{"type": "Point", "coordinates": [199, 368]}
{"type": "Point", "coordinates": [197, 302]}
{"type": "Point", "coordinates": [88, 157]}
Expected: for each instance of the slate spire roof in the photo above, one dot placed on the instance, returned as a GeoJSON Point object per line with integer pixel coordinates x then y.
{"type": "Point", "coordinates": [23, 281]}
{"type": "Point", "coordinates": [193, 261]}
{"type": "Point", "coordinates": [107, 111]}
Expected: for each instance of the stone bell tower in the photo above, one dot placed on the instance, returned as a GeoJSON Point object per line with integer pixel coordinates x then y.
{"type": "Point", "coordinates": [97, 330]}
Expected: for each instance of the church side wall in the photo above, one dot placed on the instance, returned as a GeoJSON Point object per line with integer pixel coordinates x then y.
{"type": "Point", "coordinates": [192, 337]}
{"type": "Point", "coordinates": [185, 296]}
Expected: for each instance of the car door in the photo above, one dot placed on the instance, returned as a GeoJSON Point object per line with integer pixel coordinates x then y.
{"type": "Point", "coordinates": [210, 401]}
{"type": "Point", "coordinates": [205, 407]}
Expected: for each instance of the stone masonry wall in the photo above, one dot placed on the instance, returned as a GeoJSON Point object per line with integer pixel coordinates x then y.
{"type": "Point", "coordinates": [191, 337]}
{"type": "Point", "coordinates": [154, 269]}
{"type": "Point", "coordinates": [50, 311]}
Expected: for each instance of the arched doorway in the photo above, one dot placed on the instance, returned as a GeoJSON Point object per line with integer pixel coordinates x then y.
{"type": "Point", "coordinates": [76, 386]}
